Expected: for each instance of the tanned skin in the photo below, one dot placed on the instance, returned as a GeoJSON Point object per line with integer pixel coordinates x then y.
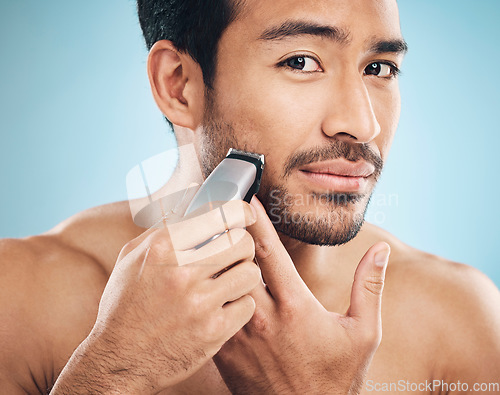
{"type": "Point", "coordinates": [99, 305]}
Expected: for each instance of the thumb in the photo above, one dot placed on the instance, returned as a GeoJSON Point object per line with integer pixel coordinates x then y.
{"type": "Point", "coordinates": [366, 293]}
{"type": "Point", "coordinates": [279, 273]}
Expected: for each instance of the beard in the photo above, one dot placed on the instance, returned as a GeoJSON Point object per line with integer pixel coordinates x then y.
{"type": "Point", "coordinates": [326, 219]}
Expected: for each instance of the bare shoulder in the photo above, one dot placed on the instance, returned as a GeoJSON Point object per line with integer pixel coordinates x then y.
{"type": "Point", "coordinates": [100, 232]}
{"type": "Point", "coordinates": [450, 310]}
{"type": "Point", "coordinates": [50, 287]}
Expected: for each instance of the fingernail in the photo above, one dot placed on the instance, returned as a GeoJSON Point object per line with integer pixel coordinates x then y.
{"type": "Point", "coordinates": [381, 257]}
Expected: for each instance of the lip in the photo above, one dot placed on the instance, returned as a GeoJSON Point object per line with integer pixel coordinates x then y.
{"type": "Point", "coordinates": [338, 175]}
{"type": "Point", "coordinates": [341, 167]}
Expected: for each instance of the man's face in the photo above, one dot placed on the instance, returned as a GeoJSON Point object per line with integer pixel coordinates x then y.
{"type": "Point", "coordinates": [311, 85]}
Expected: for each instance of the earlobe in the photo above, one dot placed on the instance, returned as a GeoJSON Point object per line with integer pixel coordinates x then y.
{"type": "Point", "coordinates": [177, 84]}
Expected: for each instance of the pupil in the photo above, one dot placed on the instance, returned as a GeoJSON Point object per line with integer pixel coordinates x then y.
{"type": "Point", "coordinates": [298, 63]}
{"type": "Point", "coordinates": [375, 68]}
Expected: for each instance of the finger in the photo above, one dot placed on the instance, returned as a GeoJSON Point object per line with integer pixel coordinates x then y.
{"type": "Point", "coordinates": [193, 231]}
{"type": "Point", "coordinates": [235, 282]}
{"type": "Point", "coordinates": [227, 249]}
{"type": "Point", "coordinates": [366, 293]}
{"type": "Point", "coordinates": [237, 314]}
{"type": "Point", "coordinates": [278, 270]}
{"type": "Point", "coordinates": [263, 300]}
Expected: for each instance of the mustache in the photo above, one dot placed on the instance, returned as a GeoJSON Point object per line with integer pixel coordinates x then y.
{"type": "Point", "coordinates": [336, 149]}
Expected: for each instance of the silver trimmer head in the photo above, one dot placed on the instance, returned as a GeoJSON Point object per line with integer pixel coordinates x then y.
{"type": "Point", "coordinates": [237, 177]}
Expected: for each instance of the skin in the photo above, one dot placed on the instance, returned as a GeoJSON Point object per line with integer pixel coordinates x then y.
{"type": "Point", "coordinates": [75, 287]}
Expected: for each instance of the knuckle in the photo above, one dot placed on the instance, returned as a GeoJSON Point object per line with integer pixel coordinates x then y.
{"type": "Point", "coordinates": [238, 210]}
{"type": "Point", "coordinates": [249, 307]}
{"type": "Point", "coordinates": [234, 282]}
{"type": "Point", "coordinates": [249, 245]}
{"type": "Point", "coordinates": [260, 322]}
{"type": "Point", "coordinates": [243, 241]}
{"type": "Point", "coordinates": [184, 258]}
{"type": "Point", "coordinates": [253, 276]}
{"type": "Point", "coordinates": [237, 235]}
{"type": "Point", "coordinates": [213, 329]}
{"type": "Point", "coordinates": [374, 285]}
{"type": "Point", "coordinates": [249, 217]}
{"type": "Point", "coordinates": [289, 309]}
{"type": "Point", "coordinates": [247, 277]}
{"type": "Point", "coordinates": [178, 280]}
{"type": "Point", "coordinates": [160, 245]}
{"type": "Point", "coordinates": [265, 248]}
{"type": "Point", "coordinates": [197, 303]}
{"type": "Point", "coordinates": [246, 244]}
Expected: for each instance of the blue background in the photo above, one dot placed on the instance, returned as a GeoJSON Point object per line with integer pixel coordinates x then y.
{"type": "Point", "coordinates": [76, 115]}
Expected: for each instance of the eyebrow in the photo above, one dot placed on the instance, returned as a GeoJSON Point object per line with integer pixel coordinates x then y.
{"type": "Point", "coordinates": [397, 46]}
{"type": "Point", "coordinates": [293, 28]}
{"type": "Point", "coordinates": [300, 28]}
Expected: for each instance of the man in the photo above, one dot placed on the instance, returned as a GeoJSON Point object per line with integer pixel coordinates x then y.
{"type": "Point", "coordinates": [98, 305]}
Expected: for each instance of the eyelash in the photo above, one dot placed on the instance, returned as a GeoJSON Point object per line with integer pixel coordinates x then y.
{"type": "Point", "coordinates": [284, 64]}
{"type": "Point", "coordinates": [395, 70]}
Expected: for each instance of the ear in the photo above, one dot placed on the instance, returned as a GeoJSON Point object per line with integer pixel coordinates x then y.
{"type": "Point", "coordinates": [177, 84]}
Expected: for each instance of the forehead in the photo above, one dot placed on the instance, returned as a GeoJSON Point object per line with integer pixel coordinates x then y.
{"type": "Point", "coordinates": [361, 18]}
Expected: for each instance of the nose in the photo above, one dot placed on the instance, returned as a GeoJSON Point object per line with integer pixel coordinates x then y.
{"type": "Point", "coordinates": [350, 113]}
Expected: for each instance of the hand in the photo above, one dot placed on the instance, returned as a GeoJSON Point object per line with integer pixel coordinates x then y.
{"type": "Point", "coordinates": [168, 308]}
{"type": "Point", "coordinates": [293, 344]}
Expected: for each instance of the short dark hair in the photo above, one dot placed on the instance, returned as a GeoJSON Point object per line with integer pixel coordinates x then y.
{"type": "Point", "coordinates": [194, 27]}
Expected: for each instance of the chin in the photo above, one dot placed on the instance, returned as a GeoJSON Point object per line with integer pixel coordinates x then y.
{"type": "Point", "coordinates": [325, 226]}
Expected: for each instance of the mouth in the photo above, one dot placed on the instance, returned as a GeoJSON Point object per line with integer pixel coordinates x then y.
{"type": "Point", "coordinates": [338, 175]}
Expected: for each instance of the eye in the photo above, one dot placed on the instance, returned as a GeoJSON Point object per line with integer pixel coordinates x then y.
{"type": "Point", "coordinates": [383, 70]}
{"type": "Point", "coordinates": [302, 63]}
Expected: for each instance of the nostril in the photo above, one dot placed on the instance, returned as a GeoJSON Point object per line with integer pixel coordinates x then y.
{"type": "Point", "coordinates": [343, 136]}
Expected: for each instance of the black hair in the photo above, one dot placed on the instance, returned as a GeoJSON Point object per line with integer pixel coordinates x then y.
{"type": "Point", "coordinates": [194, 27]}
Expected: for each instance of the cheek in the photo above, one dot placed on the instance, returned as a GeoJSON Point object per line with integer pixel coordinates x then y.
{"type": "Point", "coordinates": [268, 117]}
{"type": "Point", "coordinates": [387, 107]}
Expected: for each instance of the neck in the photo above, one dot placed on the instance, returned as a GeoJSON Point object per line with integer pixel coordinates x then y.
{"type": "Point", "coordinates": [326, 270]}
